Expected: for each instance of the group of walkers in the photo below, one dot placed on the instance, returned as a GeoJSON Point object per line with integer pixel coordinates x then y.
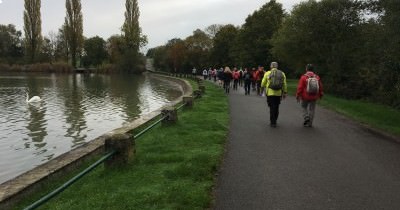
{"type": "Point", "coordinates": [273, 85]}
{"type": "Point", "coordinates": [247, 78]}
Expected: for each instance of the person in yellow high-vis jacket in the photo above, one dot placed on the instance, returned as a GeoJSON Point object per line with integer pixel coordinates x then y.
{"type": "Point", "coordinates": [275, 87]}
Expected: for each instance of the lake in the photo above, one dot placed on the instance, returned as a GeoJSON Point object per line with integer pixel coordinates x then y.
{"type": "Point", "coordinates": [75, 109]}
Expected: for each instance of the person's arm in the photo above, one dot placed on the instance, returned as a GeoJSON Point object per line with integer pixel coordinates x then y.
{"type": "Point", "coordinates": [264, 83]}
{"type": "Point", "coordinates": [284, 89]}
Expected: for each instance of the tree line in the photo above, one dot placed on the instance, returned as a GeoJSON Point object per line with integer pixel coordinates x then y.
{"type": "Point", "coordinates": [68, 45]}
{"type": "Point", "coordinates": [354, 44]}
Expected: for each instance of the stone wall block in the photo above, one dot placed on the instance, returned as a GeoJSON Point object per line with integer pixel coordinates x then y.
{"type": "Point", "coordinates": [124, 145]}
{"type": "Point", "coordinates": [171, 115]}
{"type": "Point", "coordinates": [188, 101]}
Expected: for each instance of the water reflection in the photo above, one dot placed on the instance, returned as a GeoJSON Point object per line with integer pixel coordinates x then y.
{"type": "Point", "coordinates": [37, 125]}
{"type": "Point", "coordinates": [74, 110]}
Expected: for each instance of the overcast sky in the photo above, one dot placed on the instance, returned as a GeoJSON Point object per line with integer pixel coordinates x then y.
{"type": "Point", "coordinates": [160, 20]}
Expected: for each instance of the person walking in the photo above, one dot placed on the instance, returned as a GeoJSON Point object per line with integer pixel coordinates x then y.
{"type": "Point", "coordinates": [247, 81]}
{"type": "Point", "coordinates": [309, 90]}
{"type": "Point", "coordinates": [259, 76]}
{"type": "Point", "coordinates": [275, 86]}
{"type": "Point", "coordinates": [236, 77]}
{"type": "Point", "coordinates": [253, 79]}
{"type": "Point", "coordinates": [241, 73]}
{"type": "Point", "coordinates": [205, 74]}
{"type": "Point", "coordinates": [220, 75]}
{"type": "Point", "coordinates": [194, 72]}
{"type": "Point", "coordinates": [209, 73]}
{"type": "Point", "coordinates": [214, 74]}
{"type": "Point", "coordinates": [227, 79]}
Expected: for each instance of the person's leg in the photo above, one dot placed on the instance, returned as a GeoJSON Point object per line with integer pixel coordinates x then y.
{"type": "Point", "coordinates": [306, 114]}
{"type": "Point", "coordinates": [277, 101]}
{"type": "Point", "coordinates": [271, 113]}
{"type": "Point", "coordinates": [224, 85]}
{"type": "Point", "coordinates": [311, 111]}
{"type": "Point", "coordinates": [273, 103]}
{"type": "Point", "coordinates": [247, 87]}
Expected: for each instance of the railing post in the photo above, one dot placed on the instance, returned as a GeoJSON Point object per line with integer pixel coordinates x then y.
{"type": "Point", "coordinates": [171, 115]}
{"type": "Point", "coordinates": [188, 101]}
{"type": "Point", "coordinates": [202, 88]}
{"type": "Point", "coordinates": [124, 146]}
{"type": "Point", "coordinates": [197, 94]}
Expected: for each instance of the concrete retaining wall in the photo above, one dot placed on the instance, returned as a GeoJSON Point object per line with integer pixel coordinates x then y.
{"type": "Point", "coordinates": [22, 186]}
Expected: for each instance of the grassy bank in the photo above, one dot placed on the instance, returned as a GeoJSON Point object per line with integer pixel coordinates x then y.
{"type": "Point", "coordinates": [377, 116]}
{"type": "Point", "coordinates": [174, 166]}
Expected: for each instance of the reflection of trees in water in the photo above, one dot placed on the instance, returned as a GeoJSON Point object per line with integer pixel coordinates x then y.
{"type": "Point", "coordinates": [74, 111]}
{"type": "Point", "coordinates": [131, 93]}
{"type": "Point", "coordinates": [96, 85]}
{"type": "Point", "coordinates": [166, 89]}
{"type": "Point", "coordinates": [37, 125]}
{"type": "Point", "coordinates": [124, 89]}
{"type": "Point", "coordinates": [74, 108]}
{"type": "Point", "coordinates": [37, 112]}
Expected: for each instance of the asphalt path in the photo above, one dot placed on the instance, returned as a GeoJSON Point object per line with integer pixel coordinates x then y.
{"type": "Point", "coordinates": [337, 164]}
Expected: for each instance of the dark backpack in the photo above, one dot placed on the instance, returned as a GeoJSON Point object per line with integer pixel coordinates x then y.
{"type": "Point", "coordinates": [247, 76]}
{"type": "Point", "coordinates": [276, 79]}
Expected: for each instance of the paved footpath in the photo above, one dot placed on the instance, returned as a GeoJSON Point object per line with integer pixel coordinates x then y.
{"type": "Point", "coordinates": [337, 164]}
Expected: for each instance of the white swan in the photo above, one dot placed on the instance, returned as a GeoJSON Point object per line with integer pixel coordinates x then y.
{"type": "Point", "coordinates": [33, 99]}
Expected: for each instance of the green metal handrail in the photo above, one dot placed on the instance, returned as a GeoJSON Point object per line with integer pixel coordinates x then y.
{"type": "Point", "coordinates": [90, 168]}
{"type": "Point", "coordinates": [180, 107]}
{"type": "Point", "coordinates": [68, 183]}
{"type": "Point", "coordinates": [154, 124]}
{"type": "Point", "coordinates": [148, 128]}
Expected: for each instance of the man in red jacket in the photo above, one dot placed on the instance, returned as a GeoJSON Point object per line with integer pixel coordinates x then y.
{"type": "Point", "coordinates": [309, 90]}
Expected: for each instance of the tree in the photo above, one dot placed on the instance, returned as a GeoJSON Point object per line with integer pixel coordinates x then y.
{"type": "Point", "coordinates": [176, 51]}
{"type": "Point", "coordinates": [115, 47]}
{"type": "Point", "coordinates": [131, 28]}
{"type": "Point", "coordinates": [74, 28]}
{"type": "Point", "coordinates": [95, 51]}
{"type": "Point", "coordinates": [198, 47]}
{"type": "Point", "coordinates": [223, 43]}
{"type": "Point", "coordinates": [32, 28]}
{"type": "Point", "coordinates": [213, 29]}
{"type": "Point", "coordinates": [46, 51]}
{"type": "Point", "coordinates": [10, 44]}
{"type": "Point", "coordinates": [52, 45]}
{"type": "Point", "coordinates": [326, 33]}
{"type": "Point", "coordinates": [387, 77]}
{"type": "Point", "coordinates": [133, 39]}
{"type": "Point", "coordinates": [254, 39]}
{"type": "Point", "coordinates": [159, 56]}
{"type": "Point", "coordinates": [62, 48]}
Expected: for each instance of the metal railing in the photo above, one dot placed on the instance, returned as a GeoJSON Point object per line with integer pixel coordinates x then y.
{"type": "Point", "coordinates": [47, 197]}
{"type": "Point", "coordinates": [52, 194]}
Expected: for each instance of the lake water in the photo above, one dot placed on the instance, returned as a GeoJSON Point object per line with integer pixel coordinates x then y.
{"type": "Point", "coordinates": [75, 109]}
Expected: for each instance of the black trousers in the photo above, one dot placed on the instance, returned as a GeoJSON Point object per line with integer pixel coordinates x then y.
{"type": "Point", "coordinates": [247, 87]}
{"type": "Point", "coordinates": [273, 103]}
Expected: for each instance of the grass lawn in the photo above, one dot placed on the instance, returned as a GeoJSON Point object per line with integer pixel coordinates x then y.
{"type": "Point", "coordinates": [174, 166]}
{"type": "Point", "coordinates": [378, 116]}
